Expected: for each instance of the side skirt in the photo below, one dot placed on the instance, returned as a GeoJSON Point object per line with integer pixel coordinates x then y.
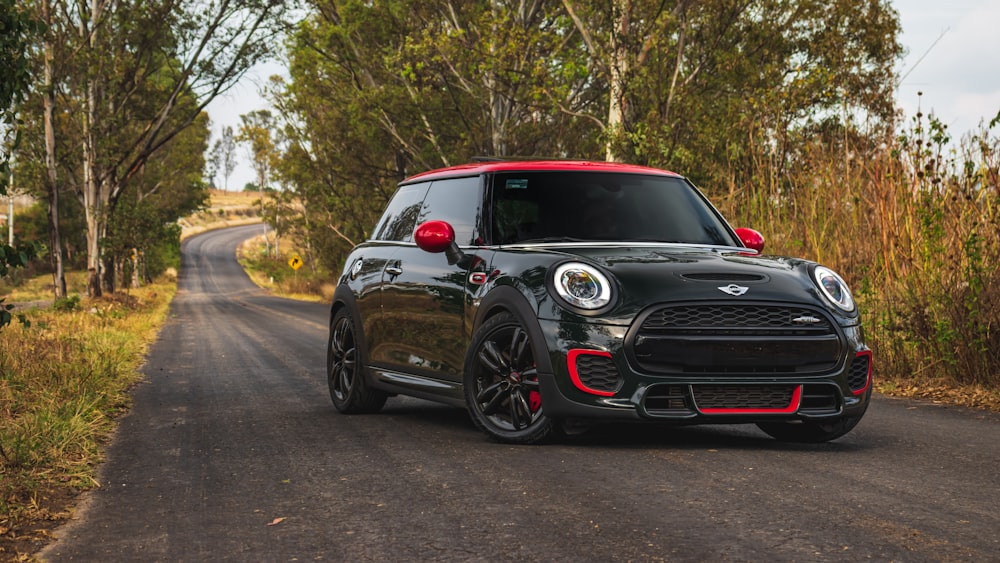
{"type": "Point", "coordinates": [448, 392]}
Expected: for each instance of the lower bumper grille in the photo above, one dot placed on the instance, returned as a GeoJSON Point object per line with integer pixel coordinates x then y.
{"type": "Point", "coordinates": [714, 398]}
{"type": "Point", "coordinates": [687, 401]}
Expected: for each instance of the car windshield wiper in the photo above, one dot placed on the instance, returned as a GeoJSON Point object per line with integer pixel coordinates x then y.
{"type": "Point", "coordinates": [552, 239]}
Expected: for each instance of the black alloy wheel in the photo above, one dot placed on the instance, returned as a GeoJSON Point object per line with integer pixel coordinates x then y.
{"type": "Point", "coordinates": [343, 370]}
{"type": "Point", "coordinates": [501, 383]}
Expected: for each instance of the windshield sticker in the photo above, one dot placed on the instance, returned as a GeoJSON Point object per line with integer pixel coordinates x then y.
{"type": "Point", "coordinates": [517, 183]}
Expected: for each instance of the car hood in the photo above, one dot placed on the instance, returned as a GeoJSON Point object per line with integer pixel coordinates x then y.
{"type": "Point", "coordinates": [655, 274]}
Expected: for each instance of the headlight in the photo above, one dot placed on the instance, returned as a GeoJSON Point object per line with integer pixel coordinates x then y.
{"type": "Point", "coordinates": [834, 288]}
{"type": "Point", "coordinates": [582, 286]}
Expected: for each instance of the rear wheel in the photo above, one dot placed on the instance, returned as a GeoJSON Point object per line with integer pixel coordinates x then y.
{"type": "Point", "coordinates": [501, 383]}
{"type": "Point", "coordinates": [344, 374]}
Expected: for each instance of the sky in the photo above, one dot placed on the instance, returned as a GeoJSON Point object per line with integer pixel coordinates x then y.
{"type": "Point", "coordinates": [953, 59]}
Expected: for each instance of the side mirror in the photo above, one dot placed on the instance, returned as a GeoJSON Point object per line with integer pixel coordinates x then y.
{"type": "Point", "coordinates": [439, 236]}
{"type": "Point", "coordinates": [751, 239]}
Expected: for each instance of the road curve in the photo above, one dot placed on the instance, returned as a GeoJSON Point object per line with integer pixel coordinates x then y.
{"type": "Point", "coordinates": [233, 452]}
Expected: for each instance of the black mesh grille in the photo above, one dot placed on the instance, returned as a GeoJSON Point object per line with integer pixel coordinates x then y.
{"type": "Point", "coordinates": [857, 377]}
{"type": "Point", "coordinates": [598, 372]}
{"type": "Point", "coordinates": [743, 396]}
{"type": "Point", "coordinates": [737, 339]}
{"type": "Point", "coordinates": [738, 319]}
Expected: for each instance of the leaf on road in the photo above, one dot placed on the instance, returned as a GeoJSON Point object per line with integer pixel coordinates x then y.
{"type": "Point", "coordinates": [276, 521]}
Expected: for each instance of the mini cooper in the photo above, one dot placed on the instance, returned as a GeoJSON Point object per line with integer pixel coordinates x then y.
{"type": "Point", "coordinates": [545, 296]}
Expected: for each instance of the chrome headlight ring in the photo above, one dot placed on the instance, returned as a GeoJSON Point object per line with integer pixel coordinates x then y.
{"type": "Point", "coordinates": [834, 288]}
{"type": "Point", "coordinates": [582, 286]}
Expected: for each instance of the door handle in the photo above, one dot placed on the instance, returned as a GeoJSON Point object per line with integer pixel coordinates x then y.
{"type": "Point", "coordinates": [393, 270]}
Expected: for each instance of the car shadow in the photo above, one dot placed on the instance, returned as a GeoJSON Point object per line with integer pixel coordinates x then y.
{"type": "Point", "coordinates": [626, 435]}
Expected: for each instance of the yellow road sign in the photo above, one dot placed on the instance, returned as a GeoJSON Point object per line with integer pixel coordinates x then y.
{"type": "Point", "coordinates": [295, 262]}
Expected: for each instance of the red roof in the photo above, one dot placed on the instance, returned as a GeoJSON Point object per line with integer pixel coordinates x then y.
{"type": "Point", "coordinates": [477, 168]}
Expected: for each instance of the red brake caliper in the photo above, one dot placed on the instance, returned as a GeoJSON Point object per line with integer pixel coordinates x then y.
{"type": "Point", "coordinates": [534, 399]}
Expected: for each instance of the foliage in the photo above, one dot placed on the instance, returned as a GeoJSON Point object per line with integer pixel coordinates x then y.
{"type": "Point", "coordinates": [13, 257]}
{"type": "Point", "coordinates": [381, 90]}
{"type": "Point", "coordinates": [18, 29]}
{"type": "Point", "coordinates": [130, 77]}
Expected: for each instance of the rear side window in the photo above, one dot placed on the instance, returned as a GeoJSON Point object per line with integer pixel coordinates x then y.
{"type": "Point", "coordinates": [400, 216]}
{"type": "Point", "coordinates": [457, 201]}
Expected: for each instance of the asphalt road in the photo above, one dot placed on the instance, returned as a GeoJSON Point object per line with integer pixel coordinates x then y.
{"type": "Point", "coordinates": [233, 451]}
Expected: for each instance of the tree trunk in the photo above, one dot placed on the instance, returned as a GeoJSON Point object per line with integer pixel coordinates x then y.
{"type": "Point", "coordinates": [52, 187]}
{"type": "Point", "coordinates": [617, 70]}
{"type": "Point", "coordinates": [92, 202]}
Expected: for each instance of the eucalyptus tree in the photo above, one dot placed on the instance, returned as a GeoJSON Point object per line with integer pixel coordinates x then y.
{"type": "Point", "coordinates": [125, 67]}
{"type": "Point", "coordinates": [702, 85]}
{"type": "Point", "coordinates": [224, 154]}
{"type": "Point", "coordinates": [380, 90]}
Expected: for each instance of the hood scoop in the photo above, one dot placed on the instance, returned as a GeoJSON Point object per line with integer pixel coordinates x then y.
{"type": "Point", "coordinates": [724, 277]}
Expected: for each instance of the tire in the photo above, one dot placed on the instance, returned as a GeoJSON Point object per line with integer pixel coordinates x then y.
{"type": "Point", "coordinates": [501, 384]}
{"type": "Point", "coordinates": [810, 432]}
{"type": "Point", "coordinates": [345, 372]}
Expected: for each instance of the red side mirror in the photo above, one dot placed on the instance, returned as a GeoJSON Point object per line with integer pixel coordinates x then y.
{"type": "Point", "coordinates": [434, 236]}
{"type": "Point", "coordinates": [751, 239]}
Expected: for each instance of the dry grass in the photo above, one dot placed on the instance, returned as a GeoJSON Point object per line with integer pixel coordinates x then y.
{"type": "Point", "coordinates": [911, 224]}
{"type": "Point", "coordinates": [226, 209]}
{"type": "Point", "coordinates": [63, 381]}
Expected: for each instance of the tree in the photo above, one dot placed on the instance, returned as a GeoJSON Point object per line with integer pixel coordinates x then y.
{"type": "Point", "coordinates": [19, 29]}
{"type": "Point", "coordinates": [127, 65]}
{"type": "Point", "coordinates": [257, 132]}
{"type": "Point", "coordinates": [223, 156]}
{"type": "Point", "coordinates": [382, 90]}
{"type": "Point", "coordinates": [705, 84]}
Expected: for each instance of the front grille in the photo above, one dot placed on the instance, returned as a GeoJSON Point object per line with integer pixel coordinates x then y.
{"type": "Point", "coordinates": [598, 373]}
{"type": "Point", "coordinates": [857, 377]}
{"type": "Point", "coordinates": [734, 339]}
{"type": "Point", "coordinates": [766, 397]}
{"type": "Point", "coordinates": [738, 319]}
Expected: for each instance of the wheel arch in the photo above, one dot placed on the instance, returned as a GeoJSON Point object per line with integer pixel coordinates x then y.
{"type": "Point", "coordinates": [343, 299]}
{"type": "Point", "coordinates": [506, 298]}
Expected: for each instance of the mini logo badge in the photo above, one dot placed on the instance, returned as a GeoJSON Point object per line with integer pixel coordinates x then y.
{"type": "Point", "coordinates": [734, 290]}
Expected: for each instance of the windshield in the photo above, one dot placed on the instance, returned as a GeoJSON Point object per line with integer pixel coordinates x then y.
{"type": "Point", "coordinates": [593, 206]}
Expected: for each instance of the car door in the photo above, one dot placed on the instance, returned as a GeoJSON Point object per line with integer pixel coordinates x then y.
{"type": "Point", "coordinates": [424, 299]}
{"type": "Point", "coordinates": [368, 262]}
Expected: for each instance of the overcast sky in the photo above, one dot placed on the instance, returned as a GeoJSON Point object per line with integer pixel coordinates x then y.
{"type": "Point", "coordinates": [959, 72]}
{"type": "Point", "coordinates": [953, 58]}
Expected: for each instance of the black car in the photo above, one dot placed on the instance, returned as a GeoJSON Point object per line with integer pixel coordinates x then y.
{"type": "Point", "coordinates": [542, 294]}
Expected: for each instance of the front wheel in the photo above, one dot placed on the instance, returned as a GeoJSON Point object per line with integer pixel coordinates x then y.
{"type": "Point", "coordinates": [810, 432]}
{"type": "Point", "coordinates": [344, 373]}
{"type": "Point", "coordinates": [501, 383]}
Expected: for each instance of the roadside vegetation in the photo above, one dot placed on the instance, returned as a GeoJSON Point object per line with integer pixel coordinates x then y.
{"type": "Point", "coordinates": [64, 379]}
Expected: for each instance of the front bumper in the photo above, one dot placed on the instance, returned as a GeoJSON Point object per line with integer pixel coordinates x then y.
{"type": "Point", "coordinates": [595, 376]}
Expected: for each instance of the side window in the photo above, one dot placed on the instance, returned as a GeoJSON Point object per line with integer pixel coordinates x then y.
{"type": "Point", "coordinates": [400, 217]}
{"type": "Point", "coordinates": [457, 201]}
